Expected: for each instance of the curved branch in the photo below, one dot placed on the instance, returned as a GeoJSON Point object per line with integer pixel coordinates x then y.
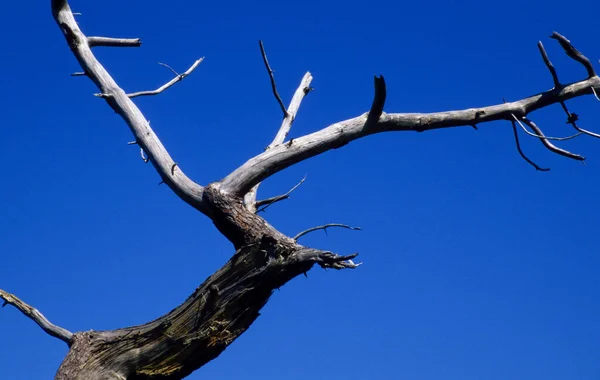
{"type": "Point", "coordinates": [336, 135]}
{"type": "Point", "coordinates": [178, 77]}
{"type": "Point", "coordinates": [324, 228]}
{"type": "Point", "coordinates": [31, 312]}
{"type": "Point", "coordinates": [184, 187]}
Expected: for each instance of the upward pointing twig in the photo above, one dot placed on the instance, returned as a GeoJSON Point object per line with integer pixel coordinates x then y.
{"type": "Point", "coordinates": [324, 228]}
{"type": "Point", "coordinates": [272, 77]}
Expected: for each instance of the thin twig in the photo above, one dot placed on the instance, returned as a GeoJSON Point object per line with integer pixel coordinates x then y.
{"type": "Point", "coordinates": [542, 136]}
{"type": "Point", "coordinates": [595, 94]}
{"type": "Point", "coordinates": [324, 228]}
{"type": "Point", "coordinates": [302, 90]}
{"type": "Point", "coordinates": [549, 64]}
{"type": "Point", "coordinates": [51, 329]}
{"type": "Point", "coordinates": [549, 145]}
{"type": "Point", "coordinates": [78, 74]}
{"type": "Point", "coordinates": [162, 88]}
{"type": "Point", "coordinates": [144, 158]}
{"type": "Point", "coordinates": [572, 119]}
{"type": "Point", "coordinates": [272, 78]}
{"type": "Point", "coordinates": [114, 42]}
{"type": "Point", "coordinates": [574, 53]}
{"type": "Point", "coordinates": [514, 127]}
{"type": "Point", "coordinates": [262, 205]}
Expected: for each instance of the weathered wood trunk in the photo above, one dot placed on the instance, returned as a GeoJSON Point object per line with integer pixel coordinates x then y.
{"type": "Point", "coordinates": [217, 313]}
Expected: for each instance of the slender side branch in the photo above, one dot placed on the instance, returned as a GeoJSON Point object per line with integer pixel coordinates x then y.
{"type": "Point", "coordinates": [549, 64]}
{"type": "Point", "coordinates": [165, 86]}
{"type": "Point", "coordinates": [183, 186]}
{"type": "Point", "coordinates": [542, 136]}
{"type": "Point", "coordinates": [114, 42]}
{"type": "Point", "coordinates": [272, 77]}
{"type": "Point", "coordinates": [516, 134]}
{"type": "Point", "coordinates": [572, 119]}
{"type": "Point", "coordinates": [302, 90]}
{"type": "Point", "coordinates": [574, 53]}
{"type": "Point", "coordinates": [324, 228]}
{"type": "Point", "coordinates": [51, 329]}
{"type": "Point", "coordinates": [262, 205]}
{"type": "Point", "coordinates": [548, 144]}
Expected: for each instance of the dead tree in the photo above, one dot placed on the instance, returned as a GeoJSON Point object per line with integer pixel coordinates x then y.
{"type": "Point", "coordinates": [228, 302]}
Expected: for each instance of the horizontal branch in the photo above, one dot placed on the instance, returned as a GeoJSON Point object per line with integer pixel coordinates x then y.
{"type": "Point", "coordinates": [170, 83]}
{"type": "Point", "coordinates": [51, 329]}
{"type": "Point", "coordinates": [339, 134]}
{"type": "Point", "coordinates": [324, 228]}
{"type": "Point", "coordinates": [114, 42]}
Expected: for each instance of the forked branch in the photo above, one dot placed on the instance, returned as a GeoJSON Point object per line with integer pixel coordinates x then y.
{"type": "Point", "coordinates": [178, 77]}
{"type": "Point", "coordinates": [273, 160]}
{"type": "Point", "coordinates": [31, 312]}
{"type": "Point", "coordinates": [120, 102]}
{"type": "Point", "coordinates": [289, 115]}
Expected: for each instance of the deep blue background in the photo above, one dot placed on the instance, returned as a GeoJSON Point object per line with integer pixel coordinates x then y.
{"type": "Point", "coordinates": [475, 265]}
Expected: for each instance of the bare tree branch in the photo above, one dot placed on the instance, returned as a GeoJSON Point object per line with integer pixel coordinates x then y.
{"type": "Point", "coordinates": [184, 187]}
{"type": "Point", "coordinates": [272, 78]}
{"type": "Point", "coordinates": [51, 329]}
{"type": "Point", "coordinates": [262, 205]}
{"type": "Point", "coordinates": [290, 115]}
{"type": "Point", "coordinates": [260, 167]}
{"type": "Point", "coordinates": [274, 160]}
{"type": "Point", "coordinates": [516, 134]}
{"type": "Point", "coordinates": [544, 136]}
{"type": "Point", "coordinates": [114, 42]}
{"type": "Point", "coordinates": [170, 83]}
{"type": "Point", "coordinates": [549, 64]}
{"type": "Point", "coordinates": [324, 228]}
{"type": "Point", "coordinates": [574, 53]}
{"type": "Point", "coordinates": [548, 144]}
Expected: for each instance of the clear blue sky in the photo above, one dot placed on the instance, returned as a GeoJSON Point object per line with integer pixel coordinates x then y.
{"type": "Point", "coordinates": [475, 265]}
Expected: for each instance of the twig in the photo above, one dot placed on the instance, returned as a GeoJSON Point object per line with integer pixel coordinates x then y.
{"type": "Point", "coordinates": [51, 329]}
{"type": "Point", "coordinates": [378, 101]}
{"type": "Point", "coordinates": [302, 90]}
{"type": "Point", "coordinates": [549, 65]}
{"type": "Point", "coordinates": [272, 78]}
{"type": "Point", "coordinates": [324, 228]}
{"type": "Point", "coordinates": [144, 158]}
{"type": "Point", "coordinates": [574, 53]}
{"type": "Point", "coordinates": [542, 136]}
{"type": "Point", "coordinates": [78, 74]}
{"type": "Point", "coordinates": [262, 205]}
{"type": "Point", "coordinates": [595, 94]}
{"type": "Point", "coordinates": [114, 42]}
{"type": "Point", "coordinates": [162, 88]}
{"type": "Point", "coordinates": [514, 127]}
{"type": "Point", "coordinates": [549, 145]}
{"type": "Point", "coordinates": [572, 119]}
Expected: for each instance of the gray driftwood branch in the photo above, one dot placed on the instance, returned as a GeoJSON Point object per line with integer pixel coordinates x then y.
{"type": "Point", "coordinates": [31, 312]}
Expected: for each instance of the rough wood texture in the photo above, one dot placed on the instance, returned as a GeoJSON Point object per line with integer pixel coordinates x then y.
{"type": "Point", "coordinates": [228, 302]}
